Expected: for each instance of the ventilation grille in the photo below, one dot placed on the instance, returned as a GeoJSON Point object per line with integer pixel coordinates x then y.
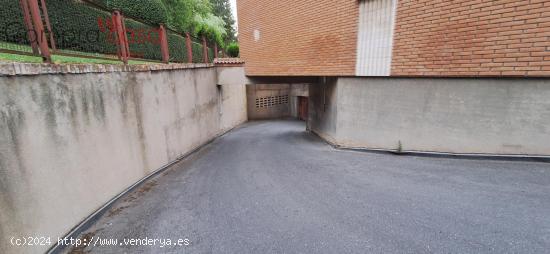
{"type": "Point", "coordinates": [271, 101]}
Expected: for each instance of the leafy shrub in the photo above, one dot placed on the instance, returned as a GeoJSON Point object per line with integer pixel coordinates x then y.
{"type": "Point", "coordinates": [150, 11]}
{"type": "Point", "coordinates": [233, 49]}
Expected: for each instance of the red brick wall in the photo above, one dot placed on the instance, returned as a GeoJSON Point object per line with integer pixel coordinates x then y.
{"type": "Point", "coordinates": [472, 37]}
{"type": "Point", "coordinates": [298, 37]}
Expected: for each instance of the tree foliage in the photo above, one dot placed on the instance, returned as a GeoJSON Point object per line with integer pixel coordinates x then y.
{"type": "Point", "coordinates": [222, 9]}
{"type": "Point", "coordinates": [197, 17]}
{"type": "Point", "coordinates": [212, 27]}
{"type": "Point", "coordinates": [181, 13]}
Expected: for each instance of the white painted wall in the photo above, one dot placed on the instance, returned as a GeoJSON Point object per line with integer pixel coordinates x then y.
{"type": "Point", "coordinates": [375, 37]}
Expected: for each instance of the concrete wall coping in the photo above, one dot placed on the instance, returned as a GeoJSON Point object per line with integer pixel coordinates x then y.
{"type": "Point", "coordinates": [25, 69]}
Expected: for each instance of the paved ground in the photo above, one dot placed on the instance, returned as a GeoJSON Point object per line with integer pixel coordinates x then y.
{"type": "Point", "coordinates": [271, 187]}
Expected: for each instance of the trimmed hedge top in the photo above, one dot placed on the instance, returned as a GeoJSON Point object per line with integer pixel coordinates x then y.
{"type": "Point", "coordinates": [151, 11]}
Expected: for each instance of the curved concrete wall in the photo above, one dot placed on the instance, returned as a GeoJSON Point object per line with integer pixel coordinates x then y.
{"type": "Point", "coordinates": [479, 116]}
{"type": "Point", "coordinates": [71, 142]}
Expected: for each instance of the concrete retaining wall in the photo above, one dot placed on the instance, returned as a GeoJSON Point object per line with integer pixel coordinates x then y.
{"type": "Point", "coordinates": [480, 116]}
{"type": "Point", "coordinates": [71, 142]}
{"type": "Point", "coordinates": [323, 109]}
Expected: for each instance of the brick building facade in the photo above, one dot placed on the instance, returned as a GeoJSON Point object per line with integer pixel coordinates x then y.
{"type": "Point", "coordinates": [395, 37]}
{"type": "Point", "coordinates": [472, 37]}
{"type": "Point", "coordinates": [302, 38]}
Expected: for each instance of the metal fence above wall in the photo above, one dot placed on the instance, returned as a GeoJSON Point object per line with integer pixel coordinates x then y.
{"type": "Point", "coordinates": [89, 30]}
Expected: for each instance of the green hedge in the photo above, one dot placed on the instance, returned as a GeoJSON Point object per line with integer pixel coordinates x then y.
{"type": "Point", "coordinates": [210, 54]}
{"type": "Point", "coordinates": [143, 40]}
{"type": "Point", "coordinates": [151, 11]}
{"type": "Point", "coordinates": [197, 53]}
{"type": "Point", "coordinates": [177, 48]}
{"type": "Point", "coordinates": [12, 26]}
{"type": "Point", "coordinates": [76, 27]}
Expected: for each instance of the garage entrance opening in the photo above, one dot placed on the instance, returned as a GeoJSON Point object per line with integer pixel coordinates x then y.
{"type": "Point", "coordinates": [302, 107]}
{"type": "Point", "coordinates": [277, 101]}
